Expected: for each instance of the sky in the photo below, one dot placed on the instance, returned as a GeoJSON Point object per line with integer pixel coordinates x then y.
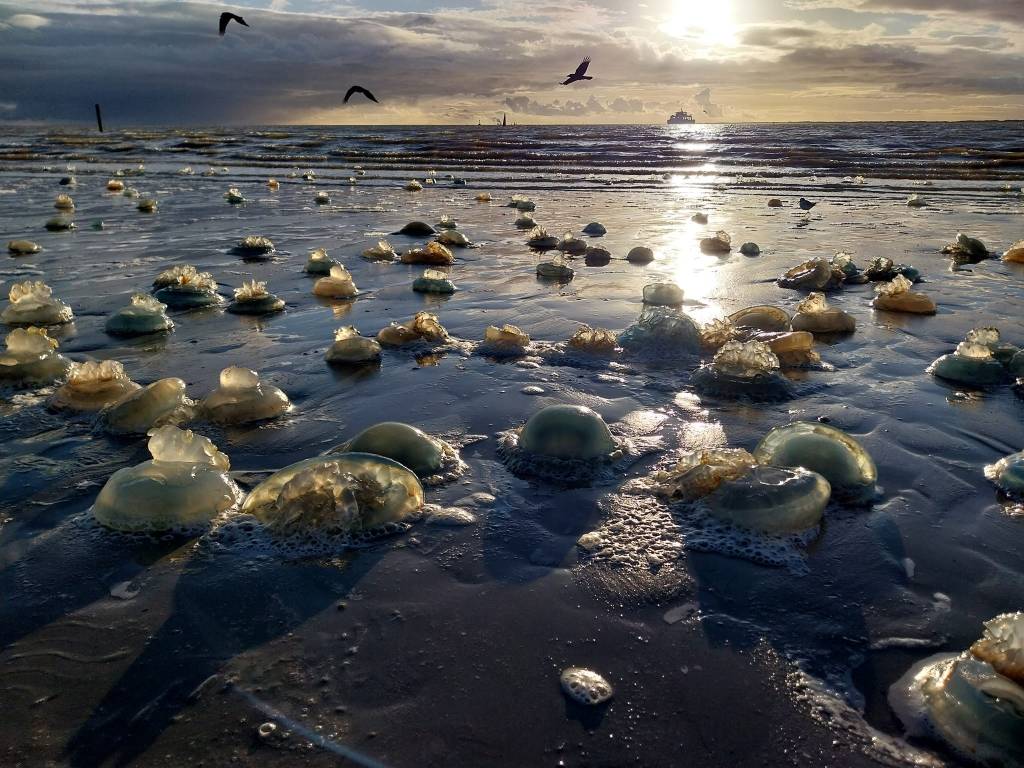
{"type": "Point", "coordinates": [161, 62]}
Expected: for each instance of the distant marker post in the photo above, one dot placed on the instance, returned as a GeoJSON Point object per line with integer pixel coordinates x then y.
{"type": "Point", "coordinates": [99, 119]}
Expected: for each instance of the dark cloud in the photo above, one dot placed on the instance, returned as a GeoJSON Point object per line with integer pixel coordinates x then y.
{"type": "Point", "coordinates": [569, 108]}
{"type": "Point", "coordinates": [1011, 11]}
{"type": "Point", "coordinates": [771, 36]}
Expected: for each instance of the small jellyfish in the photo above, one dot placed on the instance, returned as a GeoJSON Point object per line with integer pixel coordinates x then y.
{"type": "Point", "coordinates": [813, 314]}
{"type": "Point", "coordinates": [594, 341]}
{"type": "Point", "coordinates": [1008, 474]}
{"type": "Point", "coordinates": [322, 198]}
{"type": "Point", "coordinates": [774, 203]}
{"type": "Point", "coordinates": [183, 287]}
{"type": "Point", "coordinates": [972, 363]}
{"type": "Point", "coordinates": [966, 250]}
{"type": "Point", "coordinates": [254, 247]}
{"type": "Point", "coordinates": [413, 186]}
{"type": "Point", "coordinates": [273, 185]}
{"type": "Point", "coordinates": [32, 303]}
{"type": "Point", "coordinates": [525, 221]}
{"type": "Point", "coordinates": [382, 251]}
{"type": "Point", "coordinates": [1015, 253]}
{"type": "Point", "coordinates": [433, 281]}
{"type": "Point", "coordinates": [896, 296]}
{"type": "Point", "coordinates": [699, 218]}
{"type": "Point", "coordinates": [423, 327]}
{"type": "Point", "coordinates": [771, 500]}
{"type": "Point", "coordinates": [483, 197]}
{"type": "Point", "coordinates": [337, 285]}
{"type": "Point", "coordinates": [750, 249]}
{"type": "Point", "coordinates": [115, 186]}
{"type": "Point", "coordinates": [143, 315]}
{"type": "Point", "coordinates": [184, 486]}
{"type": "Point", "coordinates": [585, 686]}
{"type": "Point", "coordinates": [572, 244]}
{"type": "Point", "coordinates": [319, 263]}
{"type": "Point", "coordinates": [640, 254]}
{"type": "Point", "coordinates": [595, 229]}
{"type": "Point", "coordinates": [522, 203]}
{"type": "Point", "coordinates": [720, 242]}
{"type": "Point", "coordinates": [795, 349]}
{"type": "Point", "coordinates": [698, 473]}
{"type": "Point", "coordinates": [595, 256]}
{"type": "Point", "coordinates": [253, 298]}
{"type": "Point", "coordinates": [916, 201]}
{"type": "Point", "coordinates": [92, 386]}
{"type": "Point", "coordinates": [23, 247]}
{"type": "Point", "coordinates": [663, 294]}
{"type": "Point", "coordinates": [147, 205]}
{"type": "Point", "coordinates": [447, 222]}
{"type": "Point", "coordinates": [715, 333]}
{"type": "Point", "coordinates": [234, 196]}
{"type": "Point", "coordinates": [64, 203]}
{"type": "Point", "coordinates": [746, 370]}
{"type": "Point", "coordinates": [540, 240]}
{"type": "Point", "coordinates": [427, 456]}
{"type": "Point", "coordinates": [349, 348]}
{"type": "Point", "coordinates": [506, 341]}
{"type": "Point", "coordinates": [162, 402]}
{"type": "Point", "coordinates": [130, 192]}
{"type": "Point", "coordinates": [59, 224]}
{"type": "Point", "coordinates": [433, 253]}
{"type": "Point", "coordinates": [242, 398]}
{"type": "Point", "coordinates": [661, 331]}
{"type": "Point", "coordinates": [453, 237]}
{"type": "Point", "coordinates": [31, 358]}
{"type": "Point", "coordinates": [556, 269]}
{"type": "Point", "coordinates": [830, 452]}
{"type": "Point", "coordinates": [813, 275]}
{"type": "Point", "coordinates": [882, 269]}
{"type": "Point", "coordinates": [763, 317]}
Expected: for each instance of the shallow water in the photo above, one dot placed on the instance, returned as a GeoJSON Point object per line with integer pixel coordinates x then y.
{"type": "Point", "coordinates": [445, 644]}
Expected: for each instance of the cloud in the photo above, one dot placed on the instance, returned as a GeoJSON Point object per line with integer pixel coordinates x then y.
{"type": "Point", "coordinates": [25, 21]}
{"type": "Point", "coordinates": [997, 10]}
{"type": "Point", "coordinates": [8, 106]}
{"type": "Point", "coordinates": [526, 106]}
{"type": "Point", "coordinates": [703, 100]}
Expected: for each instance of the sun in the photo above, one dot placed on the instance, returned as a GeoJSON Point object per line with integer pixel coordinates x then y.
{"type": "Point", "coordinates": [706, 25]}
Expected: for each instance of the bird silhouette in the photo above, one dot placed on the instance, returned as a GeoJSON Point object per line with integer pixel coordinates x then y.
{"type": "Point", "coordinates": [579, 74]}
{"type": "Point", "coordinates": [805, 204]}
{"type": "Point", "coordinates": [227, 17]}
{"type": "Point", "coordinates": [359, 89]}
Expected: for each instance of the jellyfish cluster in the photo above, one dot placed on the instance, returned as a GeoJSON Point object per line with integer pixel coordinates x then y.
{"type": "Point", "coordinates": [982, 359]}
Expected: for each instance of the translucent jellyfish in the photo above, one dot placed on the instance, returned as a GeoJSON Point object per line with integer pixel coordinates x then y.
{"type": "Point", "coordinates": [843, 262]}
{"type": "Point", "coordinates": [322, 198]}
{"type": "Point", "coordinates": [774, 203]}
{"type": "Point", "coordinates": [663, 294]}
{"type": "Point", "coordinates": [147, 205]}
{"type": "Point", "coordinates": [596, 256]}
{"type": "Point", "coordinates": [23, 247]}
{"type": "Point", "coordinates": [585, 686]}
{"type": "Point", "coordinates": [417, 229]}
{"type": "Point", "coordinates": [567, 432]}
{"type": "Point", "coordinates": [143, 315]}
{"type": "Point", "coordinates": [423, 327]}
{"type": "Point", "coordinates": [242, 398]}
{"type": "Point", "coordinates": [661, 331]}
{"type": "Point", "coordinates": [433, 281]}
{"type": "Point", "coordinates": [972, 701]}
{"type": "Point", "coordinates": [508, 340]}
{"type": "Point", "coordinates": [1002, 351]}
{"type": "Point", "coordinates": [916, 201]}
{"type": "Point", "coordinates": [93, 385]}
{"type": "Point", "coordinates": [427, 456]}
{"type": "Point", "coordinates": [349, 348]}
{"type": "Point", "coordinates": [130, 192]}
{"type": "Point", "coordinates": [1015, 253]}
{"type": "Point", "coordinates": [483, 197]}
{"type": "Point", "coordinates": [253, 298]}
{"type": "Point", "coordinates": [319, 263]}
{"type": "Point", "coordinates": [572, 244]}
{"type": "Point", "coordinates": [699, 218]}
{"type": "Point", "coordinates": [432, 253]}
{"type": "Point", "coordinates": [254, 247]}
{"type": "Point", "coordinates": [1015, 365]}
{"type": "Point", "coordinates": [115, 186]}
{"type": "Point", "coordinates": [162, 402]}
{"type": "Point", "coordinates": [813, 314]}
{"type": "Point", "coordinates": [698, 473]}
{"type": "Point", "coordinates": [750, 249]}
{"type": "Point", "coordinates": [830, 452]}
{"type": "Point", "coordinates": [742, 370]}
{"type": "Point", "coordinates": [447, 222]}
{"type": "Point", "coordinates": [813, 275]}
{"type": "Point", "coordinates": [595, 341]}
{"type": "Point", "coordinates": [522, 203]}
{"type": "Point", "coordinates": [966, 250]}
{"type": "Point", "coordinates": [186, 288]}
{"type": "Point", "coordinates": [382, 251]}
{"type": "Point", "coordinates": [454, 238]}
{"type": "Point", "coordinates": [972, 363]}
{"type": "Point", "coordinates": [64, 203]}
{"type": "Point", "coordinates": [273, 185]}
{"type": "Point", "coordinates": [525, 221]}
{"type": "Point", "coordinates": [771, 500]}
{"type": "Point", "coordinates": [556, 269]}
{"type": "Point", "coordinates": [337, 285]}
{"type": "Point", "coordinates": [31, 303]}
{"type": "Point", "coordinates": [350, 493]}
{"type": "Point", "coordinates": [540, 240]}
{"type": "Point", "coordinates": [640, 254]}
{"type": "Point", "coordinates": [59, 224]}
{"type": "Point", "coordinates": [883, 270]}
{"type": "Point", "coordinates": [715, 333]}
{"type": "Point", "coordinates": [1008, 474]}
{"type": "Point", "coordinates": [595, 229]}
{"type": "Point", "coordinates": [795, 349]}
{"type": "Point", "coordinates": [896, 296]}
{"type": "Point", "coordinates": [183, 487]}
{"type": "Point", "coordinates": [721, 242]}
{"type": "Point", "coordinates": [413, 186]}
{"type": "Point", "coordinates": [234, 196]}
{"type": "Point", "coordinates": [31, 358]}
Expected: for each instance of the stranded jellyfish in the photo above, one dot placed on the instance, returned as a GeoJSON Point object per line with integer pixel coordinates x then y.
{"type": "Point", "coordinates": [322, 198]}
{"type": "Point", "coordinates": [423, 327]}
{"type": "Point", "coordinates": [699, 218]}
{"type": "Point", "coordinates": [720, 242]}
{"type": "Point", "coordinates": [774, 203]}
{"type": "Point", "coordinates": [795, 349]}
{"type": "Point", "coordinates": [234, 196]}
{"type": "Point", "coordinates": [716, 332]}
{"type": "Point", "coordinates": [1015, 253]}
{"type": "Point", "coordinates": [595, 229]}
{"type": "Point", "coordinates": [253, 298]}
{"type": "Point", "coordinates": [254, 247]}
{"type": "Point", "coordinates": [521, 203]}
{"type": "Point", "coordinates": [242, 398]}
{"type": "Point", "coordinates": [660, 331]}
{"type": "Point", "coordinates": [162, 402]}
{"type": "Point", "coordinates": [973, 362]}
{"type": "Point", "coordinates": [184, 486]}
{"type": "Point", "coordinates": [560, 442]}
{"type": "Point", "coordinates": [882, 269]}
{"type": "Point", "coordinates": [382, 251]}
{"type": "Point", "coordinates": [972, 701]}
{"type": "Point", "coordinates": [183, 287]}
{"type": "Point", "coordinates": [506, 341]}
{"type": "Point", "coordinates": [896, 296]}
{"type": "Point", "coordinates": [432, 253]}
{"type": "Point", "coordinates": [417, 229]}
{"type": "Point", "coordinates": [750, 248]}
{"type": "Point", "coordinates": [337, 285]}
{"type": "Point", "coordinates": [663, 294]}
{"type": "Point", "coordinates": [350, 493]}
{"type": "Point", "coordinates": [143, 315]}
{"type": "Point", "coordinates": [147, 205]}
{"type": "Point", "coordinates": [698, 473]}
{"type": "Point", "coordinates": [453, 237]}
{"type": "Point", "coordinates": [115, 186]}
{"type": "Point", "coordinates": [433, 281]}
{"type": "Point", "coordinates": [92, 386]}
{"type": "Point", "coordinates": [640, 254]}
{"type": "Point", "coordinates": [447, 222]}
{"type": "Point", "coordinates": [319, 263]}
{"type": "Point", "coordinates": [813, 314]}
{"type": "Point", "coordinates": [483, 197]}
{"type": "Point", "coordinates": [966, 250]}
{"type": "Point", "coordinates": [585, 686]}
{"type": "Point", "coordinates": [595, 341]}
{"type": "Point", "coordinates": [826, 450]}
{"type": "Point", "coordinates": [595, 256]}
{"type": "Point", "coordinates": [349, 348]}
{"type": "Point", "coordinates": [427, 456]}
{"type": "Point", "coordinates": [916, 201]}
{"type": "Point", "coordinates": [572, 244]}
{"type": "Point", "coordinates": [59, 224]}
{"type": "Point", "coordinates": [273, 185]}
{"type": "Point", "coordinates": [742, 370]}
{"type": "Point", "coordinates": [540, 240]}
{"type": "Point", "coordinates": [556, 269]}
{"type": "Point", "coordinates": [31, 358]}
{"type": "Point", "coordinates": [1008, 474]}
{"type": "Point", "coordinates": [771, 499]}
{"type": "Point", "coordinates": [763, 318]}
{"type": "Point", "coordinates": [33, 304]}
{"type": "Point", "coordinates": [413, 186]}
{"type": "Point", "coordinates": [813, 275]}
{"type": "Point", "coordinates": [23, 247]}
{"type": "Point", "coordinates": [525, 221]}
{"type": "Point", "coordinates": [64, 203]}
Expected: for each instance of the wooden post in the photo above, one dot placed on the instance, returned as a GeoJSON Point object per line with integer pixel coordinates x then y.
{"type": "Point", "coordinates": [99, 118]}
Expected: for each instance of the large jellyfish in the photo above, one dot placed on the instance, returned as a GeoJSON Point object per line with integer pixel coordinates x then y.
{"type": "Point", "coordinates": [447, 222]}
{"type": "Point", "coordinates": [813, 275]}
{"type": "Point", "coordinates": [163, 402]}
{"type": "Point", "coordinates": [254, 247]}
{"type": "Point", "coordinates": [742, 370]}
{"type": "Point", "coordinates": [33, 304]}
{"type": "Point", "coordinates": [432, 253]}
{"type": "Point", "coordinates": [242, 398]}
{"type": "Point", "coordinates": [337, 285]}
{"type": "Point", "coordinates": [813, 314]}
{"type": "Point", "coordinates": [771, 499]}
{"type": "Point", "coordinates": [882, 269]}
{"type": "Point", "coordinates": [595, 229]}
{"type": "Point", "coordinates": [661, 331]}
{"type": "Point", "coordinates": [640, 254]}
{"type": "Point", "coordinates": [556, 269]}
{"type": "Point", "coordinates": [147, 205]}
{"type": "Point", "coordinates": [143, 315]}
{"type": "Point", "coordinates": [423, 327]}
{"type": "Point", "coordinates": [540, 240]}
{"type": "Point", "coordinates": [253, 298]}
{"type": "Point", "coordinates": [966, 250]}
{"type": "Point", "coordinates": [417, 229]}
{"type": "Point", "coordinates": [64, 202]}
{"type": "Point", "coordinates": [59, 224]}
{"type": "Point", "coordinates": [1008, 474]}
{"type": "Point", "coordinates": [433, 281]}
{"type": "Point", "coordinates": [720, 243]}
{"type": "Point", "coordinates": [972, 701]}
{"type": "Point", "coordinates": [185, 288]}
{"type": "Point", "coordinates": [1015, 253]}
{"type": "Point", "coordinates": [506, 341]}
{"type": "Point", "coordinates": [432, 459]}
{"type": "Point", "coordinates": [183, 487]}
{"type": "Point", "coordinates": [23, 247]}
{"type": "Point", "coordinates": [663, 294]}
{"type": "Point", "coordinates": [762, 317]}
{"type": "Point", "coordinates": [349, 348]}
{"type": "Point", "coordinates": [567, 443]}
{"type": "Point", "coordinates": [319, 263]}
{"type": "Point", "coordinates": [594, 341]}
{"type": "Point", "coordinates": [896, 296]}
{"type": "Point", "coordinates": [31, 358]}
{"type": "Point", "coordinates": [572, 244]}
{"type": "Point", "coordinates": [595, 256]}
{"type": "Point", "coordinates": [698, 473]}
{"type": "Point", "coordinates": [525, 221]}
{"type": "Point", "coordinates": [454, 238]}
{"type": "Point", "coordinates": [795, 349]}
{"type": "Point", "coordinates": [826, 450]}
{"type": "Point", "coordinates": [382, 251]}
{"type": "Point", "coordinates": [973, 362]}
{"type": "Point", "coordinates": [93, 385]}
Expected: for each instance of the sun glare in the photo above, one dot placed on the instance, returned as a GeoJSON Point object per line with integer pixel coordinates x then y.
{"type": "Point", "coordinates": [706, 25]}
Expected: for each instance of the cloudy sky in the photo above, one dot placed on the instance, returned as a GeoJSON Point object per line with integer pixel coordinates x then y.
{"type": "Point", "coordinates": [463, 61]}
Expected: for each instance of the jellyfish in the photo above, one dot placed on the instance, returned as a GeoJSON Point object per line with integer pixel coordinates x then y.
{"type": "Point", "coordinates": [1015, 253]}
{"type": "Point", "coordinates": [423, 327]}
{"type": "Point", "coordinates": [813, 314]}
{"type": "Point", "coordinates": [93, 385]}
{"type": "Point", "coordinates": [813, 275]}
{"type": "Point", "coordinates": [699, 218]}
{"type": "Point", "coordinates": [663, 294]}
{"type": "Point", "coordinates": [771, 499]}
{"type": "Point", "coordinates": [483, 197]}
{"type": "Point", "coordinates": [59, 224]}
{"type": "Point", "coordinates": [750, 249]}
{"type": "Point", "coordinates": [572, 244]}
{"type": "Point", "coordinates": [556, 269]}
{"type": "Point", "coordinates": [594, 341]}
{"type": "Point", "coordinates": [1015, 365]}
{"type": "Point", "coordinates": [349, 348]}
{"type": "Point", "coordinates": [413, 186]}
{"type": "Point", "coordinates": [185, 288]}
{"type": "Point", "coordinates": [1008, 474]}
{"type": "Point", "coordinates": [596, 256]}
{"type": "Point", "coordinates": [774, 203]}
{"type": "Point", "coordinates": [763, 317]}
{"type": "Point", "coordinates": [162, 402]}
{"type": "Point", "coordinates": [660, 331]}
{"type": "Point", "coordinates": [966, 250]}
{"type": "Point", "coordinates": [972, 363]}
{"type": "Point", "coordinates": [142, 316]}
{"type": "Point", "coordinates": [540, 240]}
{"type": "Point", "coordinates": [795, 349]}
{"type": "Point", "coordinates": [971, 701]}
{"type": "Point", "coordinates": [337, 285]}
{"type": "Point", "coordinates": [147, 205]}
{"type": "Point", "coordinates": [525, 221]}
{"type": "Point", "coordinates": [882, 269]}
{"type": "Point", "coordinates": [433, 253]}
{"type": "Point", "coordinates": [585, 686]}
{"type": "Point", "coordinates": [433, 281]}
{"type": "Point", "coordinates": [253, 298]}
{"type": "Point", "coordinates": [130, 192]}
{"type": "Point", "coordinates": [742, 370]}
{"type": "Point", "coordinates": [319, 263]}
{"type": "Point", "coordinates": [916, 201]}
{"type": "Point", "coordinates": [350, 493]}
{"type": "Point", "coordinates": [64, 203]}
{"type": "Point", "coordinates": [31, 358]}
{"type": "Point", "coordinates": [522, 203]}
{"type": "Point", "coordinates": [184, 486]}
{"type": "Point", "coordinates": [273, 185]}
{"type": "Point", "coordinates": [427, 456]}
{"type": "Point", "coordinates": [254, 247]}
{"type": "Point", "coordinates": [595, 229]}
{"type": "Point", "coordinates": [506, 341]}
{"type": "Point", "coordinates": [447, 222]}
{"type": "Point", "coordinates": [698, 473]}
{"type": "Point", "coordinates": [453, 237]}
{"type": "Point", "coordinates": [715, 333]}
{"type": "Point", "coordinates": [115, 186]}
{"type": "Point", "coordinates": [242, 398]}
{"type": "Point", "coordinates": [640, 254]}
{"type": "Point", "coordinates": [721, 242]}
{"type": "Point", "coordinates": [234, 196]}
{"type": "Point", "coordinates": [896, 296]}
{"type": "Point", "coordinates": [830, 452]}
{"type": "Point", "coordinates": [23, 247]}
{"type": "Point", "coordinates": [561, 443]}
{"type": "Point", "coordinates": [31, 303]}
{"type": "Point", "coordinates": [322, 198]}
{"type": "Point", "coordinates": [843, 262]}
{"type": "Point", "coordinates": [382, 251]}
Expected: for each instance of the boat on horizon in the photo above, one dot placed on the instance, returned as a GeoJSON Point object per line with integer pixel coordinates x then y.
{"type": "Point", "coordinates": [681, 117]}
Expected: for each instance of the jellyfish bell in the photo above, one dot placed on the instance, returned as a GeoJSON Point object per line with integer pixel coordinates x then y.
{"type": "Point", "coordinates": [698, 473]}
{"type": "Point", "coordinates": [595, 229]}
{"type": "Point", "coordinates": [164, 402]}
{"type": "Point", "coordinates": [447, 222]}
{"type": "Point", "coordinates": [430, 458]}
{"type": "Point", "coordinates": [972, 363]}
{"type": "Point", "coordinates": [812, 275]}
{"type": "Point", "coordinates": [483, 197]}
{"type": "Point", "coordinates": [92, 385]}
{"type": "Point", "coordinates": [254, 247]}
{"type": "Point", "coordinates": [424, 326]}
{"type": "Point", "coordinates": [750, 249]}
{"type": "Point", "coordinates": [661, 331]}
{"type": "Point", "coordinates": [556, 269]}
{"type": "Point", "coordinates": [882, 269]}
{"type": "Point", "coordinates": [966, 249]}
{"type": "Point", "coordinates": [32, 303]}
{"type": "Point", "coordinates": [115, 186]}
{"type": "Point", "coordinates": [382, 251]}
{"type": "Point", "coordinates": [432, 253]}
{"type": "Point", "coordinates": [813, 314]}
{"type": "Point", "coordinates": [843, 262]}
{"type": "Point", "coordinates": [349, 348]}
{"type": "Point", "coordinates": [319, 263]}
{"type": "Point", "coordinates": [716, 332]}
{"type": "Point", "coordinates": [896, 296]}
{"type": "Point", "coordinates": [273, 185]}
{"type": "Point", "coordinates": [413, 186]}
{"type": "Point", "coordinates": [322, 198]}
{"type": "Point", "coordinates": [567, 432]}
{"type": "Point", "coordinates": [59, 224]}
{"type": "Point", "coordinates": [663, 294]}
{"type": "Point", "coordinates": [31, 358]}
{"type": "Point", "coordinates": [1008, 474]}
{"type": "Point", "coordinates": [234, 196]}
{"type": "Point", "coordinates": [742, 370]}
{"type": "Point", "coordinates": [540, 240]}
{"type": "Point", "coordinates": [142, 316]}
{"type": "Point", "coordinates": [454, 238]}
{"type": "Point", "coordinates": [506, 341]}
{"type": "Point", "coordinates": [763, 318]}
{"type": "Point", "coordinates": [595, 256]}
{"type": "Point", "coordinates": [23, 247]}
{"type": "Point", "coordinates": [242, 398]}
{"type": "Point", "coordinates": [185, 288]}
{"type": "Point", "coordinates": [417, 229]}
{"type": "Point", "coordinates": [774, 203]}
{"type": "Point", "coordinates": [771, 500]}
{"type": "Point", "coordinates": [147, 205]}
{"type": "Point", "coordinates": [64, 203]}
{"type": "Point", "coordinates": [572, 244]}
{"type": "Point", "coordinates": [795, 349]}
{"type": "Point", "coordinates": [1015, 253]}
{"type": "Point", "coordinates": [253, 298]}
{"type": "Point", "coordinates": [433, 281]}
{"type": "Point", "coordinates": [337, 285]}
{"type": "Point", "coordinates": [183, 487]}
{"type": "Point", "coordinates": [525, 221]}
{"type": "Point", "coordinates": [916, 201]}
{"type": "Point", "coordinates": [594, 341]}
{"type": "Point", "coordinates": [720, 242]}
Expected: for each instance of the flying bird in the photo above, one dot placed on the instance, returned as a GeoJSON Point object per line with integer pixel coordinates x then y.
{"type": "Point", "coordinates": [805, 204]}
{"type": "Point", "coordinates": [360, 89]}
{"type": "Point", "coordinates": [227, 17]}
{"type": "Point", "coordinates": [579, 74]}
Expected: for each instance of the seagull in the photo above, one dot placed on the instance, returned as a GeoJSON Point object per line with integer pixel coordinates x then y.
{"type": "Point", "coordinates": [805, 204]}
{"type": "Point", "coordinates": [579, 74]}
{"type": "Point", "coordinates": [359, 89]}
{"type": "Point", "coordinates": [227, 17]}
